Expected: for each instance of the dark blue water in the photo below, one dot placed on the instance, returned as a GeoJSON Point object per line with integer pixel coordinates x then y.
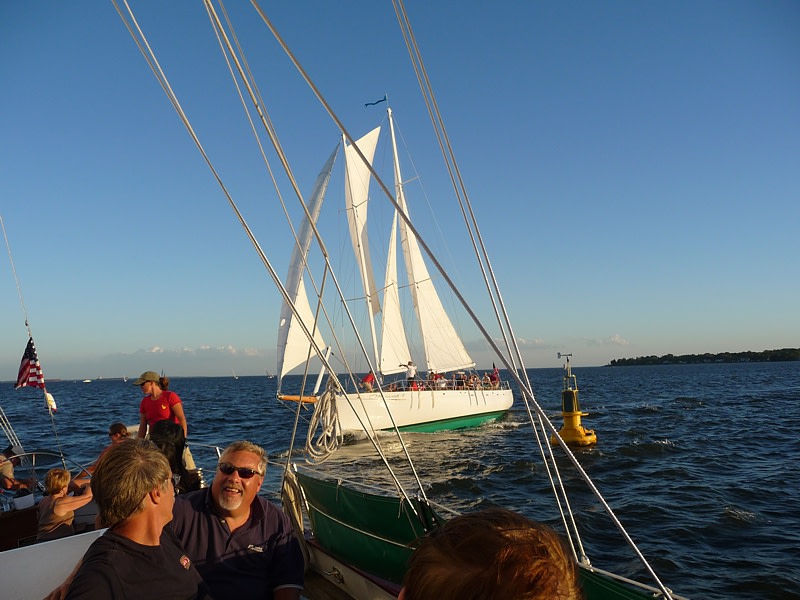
{"type": "Point", "coordinates": [699, 462]}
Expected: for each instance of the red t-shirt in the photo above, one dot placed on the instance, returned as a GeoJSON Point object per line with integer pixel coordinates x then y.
{"type": "Point", "coordinates": [158, 410]}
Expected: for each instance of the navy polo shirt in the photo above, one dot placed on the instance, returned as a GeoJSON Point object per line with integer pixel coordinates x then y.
{"type": "Point", "coordinates": [260, 556]}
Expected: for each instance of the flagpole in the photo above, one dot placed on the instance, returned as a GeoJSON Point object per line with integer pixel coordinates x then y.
{"type": "Point", "coordinates": [49, 401]}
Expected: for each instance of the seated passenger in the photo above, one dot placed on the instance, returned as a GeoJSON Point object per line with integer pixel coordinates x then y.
{"type": "Point", "coordinates": [8, 480]}
{"type": "Point", "coordinates": [57, 510]}
{"type": "Point", "coordinates": [493, 553]}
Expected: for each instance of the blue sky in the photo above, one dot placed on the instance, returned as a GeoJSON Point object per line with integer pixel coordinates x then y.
{"type": "Point", "coordinates": [634, 165]}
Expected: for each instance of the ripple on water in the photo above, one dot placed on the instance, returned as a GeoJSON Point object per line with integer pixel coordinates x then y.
{"type": "Point", "coordinates": [699, 462]}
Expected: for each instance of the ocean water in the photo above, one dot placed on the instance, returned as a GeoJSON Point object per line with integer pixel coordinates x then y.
{"type": "Point", "coordinates": [698, 462]}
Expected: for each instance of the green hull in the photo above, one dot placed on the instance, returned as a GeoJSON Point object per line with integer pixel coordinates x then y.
{"type": "Point", "coordinates": [455, 423]}
{"type": "Point", "coordinates": [375, 534]}
{"type": "Point", "coordinates": [371, 532]}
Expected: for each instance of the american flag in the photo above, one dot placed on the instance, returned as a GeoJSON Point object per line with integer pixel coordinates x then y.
{"type": "Point", "coordinates": [30, 371]}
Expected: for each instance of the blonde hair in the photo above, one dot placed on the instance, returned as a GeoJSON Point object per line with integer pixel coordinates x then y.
{"type": "Point", "coordinates": [56, 480]}
{"type": "Point", "coordinates": [494, 553]}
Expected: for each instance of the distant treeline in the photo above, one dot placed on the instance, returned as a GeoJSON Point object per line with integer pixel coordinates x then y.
{"type": "Point", "coordinates": [725, 357]}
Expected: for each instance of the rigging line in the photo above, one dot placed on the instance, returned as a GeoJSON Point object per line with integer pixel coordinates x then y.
{"type": "Point", "coordinates": [16, 279]}
{"type": "Point", "coordinates": [384, 188]}
{"type": "Point", "coordinates": [447, 153]}
{"type": "Point", "coordinates": [438, 127]}
{"type": "Point", "coordinates": [450, 155]}
{"type": "Point", "coordinates": [47, 401]}
{"type": "Point", "coordinates": [266, 120]}
{"type": "Point", "coordinates": [399, 5]}
{"type": "Point", "coordinates": [288, 171]}
{"type": "Point", "coordinates": [452, 165]}
{"type": "Point", "coordinates": [158, 72]}
{"type": "Point", "coordinates": [382, 185]}
{"type": "Point", "coordinates": [267, 124]}
{"type": "Point", "coordinates": [460, 188]}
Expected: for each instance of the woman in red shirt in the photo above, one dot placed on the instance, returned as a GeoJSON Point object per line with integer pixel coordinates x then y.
{"type": "Point", "coordinates": [159, 403]}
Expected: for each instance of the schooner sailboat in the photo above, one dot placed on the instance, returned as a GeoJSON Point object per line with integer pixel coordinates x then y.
{"type": "Point", "coordinates": [438, 402]}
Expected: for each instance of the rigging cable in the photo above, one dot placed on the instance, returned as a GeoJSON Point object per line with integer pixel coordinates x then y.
{"type": "Point", "coordinates": [526, 388]}
{"type": "Point", "coordinates": [48, 398]}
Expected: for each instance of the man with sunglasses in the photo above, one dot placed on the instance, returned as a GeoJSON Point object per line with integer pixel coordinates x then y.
{"type": "Point", "coordinates": [242, 545]}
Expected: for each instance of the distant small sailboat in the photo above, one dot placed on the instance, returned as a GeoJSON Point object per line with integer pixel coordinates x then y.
{"type": "Point", "coordinates": [235, 376]}
{"type": "Point", "coordinates": [269, 375]}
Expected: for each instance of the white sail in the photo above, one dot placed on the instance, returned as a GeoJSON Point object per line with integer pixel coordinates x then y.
{"type": "Point", "coordinates": [293, 345]}
{"type": "Point", "coordinates": [357, 178]}
{"type": "Point", "coordinates": [394, 345]}
{"type": "Point", "coordinates": [444, 350]}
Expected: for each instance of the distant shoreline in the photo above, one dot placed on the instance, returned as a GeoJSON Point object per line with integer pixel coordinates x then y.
{"type": "Point", "coordinates": [782, 355]}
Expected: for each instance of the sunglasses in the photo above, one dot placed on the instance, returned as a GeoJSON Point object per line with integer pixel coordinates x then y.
{"type": "Point", "coordinates": [244, 472]}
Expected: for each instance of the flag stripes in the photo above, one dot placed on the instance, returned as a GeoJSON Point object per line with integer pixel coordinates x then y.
{"type": "Point", "coordinates": [30, 371]}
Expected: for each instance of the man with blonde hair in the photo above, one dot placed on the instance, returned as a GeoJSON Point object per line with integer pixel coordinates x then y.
{"type": "Point", "coordinates": [137, 556]}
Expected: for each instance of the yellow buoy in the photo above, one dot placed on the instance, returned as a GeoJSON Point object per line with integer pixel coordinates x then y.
{"type": "Point", "coordinates": [572, 432]}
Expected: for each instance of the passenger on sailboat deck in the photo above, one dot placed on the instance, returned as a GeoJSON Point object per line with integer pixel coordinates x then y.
{"type": "Point", "coordinates": [117, 432]}
{"type": "Point", "coordinates": [158, 403]}
{"type": "Point", "coordinates": [57, 510]}
{"type": "Point", "coordinates": [368, 381]}
{"type": "Point", "coordinates": [495, 378]}
{"type": "Point", "coordinates": [411, 371]}
{"type": "Point", "coordinates": [7, 479]}
{"type": "Point", "coordinates": [137, 557]}
{"type": "Point", "coordinates": [493, 553]}
{"type": "Point", "coordinates": [243, 545]}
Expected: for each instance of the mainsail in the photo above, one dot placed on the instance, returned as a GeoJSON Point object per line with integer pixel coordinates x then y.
{"type": "Point", "coordinates": [293, 345]}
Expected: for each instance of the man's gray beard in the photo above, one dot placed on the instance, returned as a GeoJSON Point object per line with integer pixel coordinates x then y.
{"type": "Point", "coordinates": [230, 503]}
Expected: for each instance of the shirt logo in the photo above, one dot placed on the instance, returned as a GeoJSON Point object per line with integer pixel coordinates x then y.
{"type": "Point", "coordinates": [185, 562]}
{"type": "Point", "coordinates": [253, 548]}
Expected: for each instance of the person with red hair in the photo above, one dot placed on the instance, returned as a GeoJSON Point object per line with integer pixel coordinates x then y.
{"type": "Point", "coordinates": [493, 553]}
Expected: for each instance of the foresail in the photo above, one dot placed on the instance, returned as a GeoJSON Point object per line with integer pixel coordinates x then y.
{"type": "Point", "coordinates": [293, 345]}
{"type": "Point", "coordinates": [444, 350]}
{"type": "Point", "coordinates": [296, 347]}
{"type": "Point", "coordinates": [357, 177]}
{"type": "Point", "coordinates": [394, 345]}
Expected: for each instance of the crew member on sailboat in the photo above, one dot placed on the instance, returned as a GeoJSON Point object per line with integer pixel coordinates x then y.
{"type": "Point", "coordinates": [368, 381]}
{"type": "Point", "coordinates": [411, 373]}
